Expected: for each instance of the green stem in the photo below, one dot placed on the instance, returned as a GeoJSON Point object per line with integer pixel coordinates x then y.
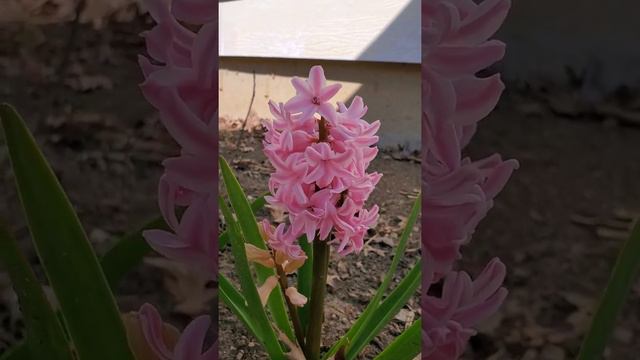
{"type": "Point", "coordinates": [293, 311]}
{"type": "Point", "coordinates": [321, 251]}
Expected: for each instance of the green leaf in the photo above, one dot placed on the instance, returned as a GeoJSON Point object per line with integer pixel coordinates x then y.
{"type": "Point", "coordinates": [368, 314]}
{"type": "Point", "coordinates": [238, 305]}
{"type": "Point", "coordinates": [45, 333]}
{"type": "Point", "coordinates": [249, 290]}
{"type": "Point", "coordinates": [305, 281]}
{"type": "Point", "coordinates": [386, 311]}
{"type": "Point", "coordinates": [128, 252]}
{"type": "Point", "coordinates": [256, 205]}
{"type": "Point", "coordinates": [406, 346]}
{"type": "Point", "coordinates": [89, 309]}
{"type": "Point", "coordinates": [622, 278]}
{"type": "Point", "coordinates": [251, 233]}
{"type": "Point", "coordinates": [17, 352]}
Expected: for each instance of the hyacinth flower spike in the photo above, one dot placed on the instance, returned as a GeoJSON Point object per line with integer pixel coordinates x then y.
{"type": "Point", "coordinates": [180, 82]}
{"type": "Point", "coordinates": [458, 192]}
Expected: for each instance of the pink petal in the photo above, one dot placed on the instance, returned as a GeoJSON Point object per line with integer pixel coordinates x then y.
{"type": "Point", "coordinates": [189, 131]}
{"type": "Point", "coordinates": [152, 328]}
{"type": "Point", "coordinates": [266, 288]}
{"type": "Point", "coordinates": [302, 87]}
{"type": "Point", "coordinates": [295, 297]}
{"type": "Point", "coordinates": [195, 11]}
{"type": "Point", "coordinates": [328, 92]}
{"type": "Point", "coordinates": [316, 79]}
{"type": "Point", "coordinates": [189, 347]}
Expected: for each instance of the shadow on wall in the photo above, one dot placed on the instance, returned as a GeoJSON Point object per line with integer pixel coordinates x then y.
{"type": "Point", "coordinates": [402, 35]}
{"type": "Point", "coordinates": [390, 90]}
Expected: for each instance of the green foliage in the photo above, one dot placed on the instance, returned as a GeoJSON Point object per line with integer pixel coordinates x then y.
{"type": "Point", "coordinates": [87, 304]}
{"type": "Point", "coordinates": [622, 278]}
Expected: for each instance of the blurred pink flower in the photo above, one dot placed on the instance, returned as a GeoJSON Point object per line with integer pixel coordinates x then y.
{"type": "Point", "coordinates": [181, 78]}
{"type": "Point", "coordinates": [458, 192]}
{"type": "Point", "coordinates": [449, 318]}
{"type": "Point", "coordinates": [181, 83]}
{"type": "Point", "coordinates": [195, 11]}
{"type": "Point", "coordinates": [190, 344]}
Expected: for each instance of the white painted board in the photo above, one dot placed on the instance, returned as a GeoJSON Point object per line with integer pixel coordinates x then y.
{"type": "Point", "coordinates": [355, 30]}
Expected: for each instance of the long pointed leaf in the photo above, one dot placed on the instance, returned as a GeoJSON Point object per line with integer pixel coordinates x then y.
{"type": "Point", "coordinates": [367, 314]}
{"type": "Point", "coordinates": [249, 226]}
{"type": "Point", "coordinates": [46, 338]}
{"type": "Point", "coordinates": [391, 305]}
{"type": "Point", "coordinates": [237, 304]}
{"type": "Point", "coordinates": [256, 205]}
{"type": "Point", "coordinates": [406, 346]}
{"type": "Point", "coordinates": [622, 278]}
{"type": "Point", "coordinates": [249, 290]}
{"type": "Point", "coordinates": [17, 352]}
{"type": "Point", "coordinates": [69, 262]}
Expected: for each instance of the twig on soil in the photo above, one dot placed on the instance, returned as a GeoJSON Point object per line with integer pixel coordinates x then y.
{"type": "Point", "coordinates": [246, 118]}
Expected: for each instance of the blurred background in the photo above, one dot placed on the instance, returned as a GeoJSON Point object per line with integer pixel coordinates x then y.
{"type": "Point", "coordinates": [71, 69]}
{"type": "Point", "coordinates": [571, 116]}
{"type": "Point", "coordinates": [76, 84]}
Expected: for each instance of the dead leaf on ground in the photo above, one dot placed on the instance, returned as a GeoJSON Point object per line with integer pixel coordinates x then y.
{"type": "Point", "coordinates": [331, 280]}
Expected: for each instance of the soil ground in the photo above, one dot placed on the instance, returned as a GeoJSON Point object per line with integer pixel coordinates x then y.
{"type": "Point", "coordinates": [558, 225]}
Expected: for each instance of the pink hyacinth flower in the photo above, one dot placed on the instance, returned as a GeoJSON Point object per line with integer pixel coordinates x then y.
{"type": "Point", "coordinates": [282, 240]}
{"type": "Point", "coordinates": [320, 154]}
{"type": "Point", "coordinates": [326, 164]}
{"type": "Point", "coordinates": [312, 95]}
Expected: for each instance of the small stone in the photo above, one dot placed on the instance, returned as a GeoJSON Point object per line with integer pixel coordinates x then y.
{"type": "Point", "coordinates": [552, 352]}
{"type": "Point", "coordinates": [560, 337]}
{"type": "Point", "coordinates": [623, 335]}
{"type": "Point", "coordinates": [98, 236]}
{"type": "Point", "coordinates": [531, 354]}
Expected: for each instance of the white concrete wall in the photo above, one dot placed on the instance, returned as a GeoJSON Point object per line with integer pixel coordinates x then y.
{"type": "Point", "coordinates": [392, 91]}
{"type": "Point", "coordinates": [363, 30]}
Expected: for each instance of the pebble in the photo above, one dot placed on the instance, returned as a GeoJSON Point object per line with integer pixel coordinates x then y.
{"type": "Point", "coordinates": [531, 354]}
{"type": "Point", "coordinates": [552, 352]}
{"type": "Point", "coordinates": [623, 335]}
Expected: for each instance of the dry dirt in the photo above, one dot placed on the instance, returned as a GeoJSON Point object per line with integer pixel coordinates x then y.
{"type": "Point", "coordinates": [558, 225]}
